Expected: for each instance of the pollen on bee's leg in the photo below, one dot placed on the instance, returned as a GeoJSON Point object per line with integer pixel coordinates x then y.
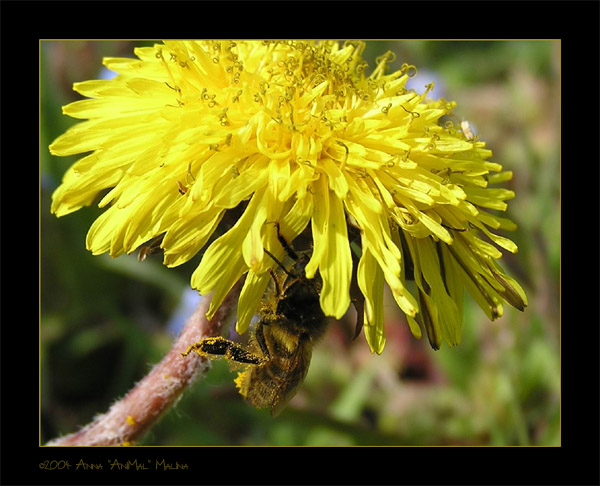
{"type": "Point", "coordinates": [199, 347]}
{"type": "Point", "coordinates": [237, 354]}
{"type": "Point", "coordinates": [209, 346]}
{"type": "Point", "coordinates": [241, 382]}
{"type": "Point", "coordinates": [191, 348]}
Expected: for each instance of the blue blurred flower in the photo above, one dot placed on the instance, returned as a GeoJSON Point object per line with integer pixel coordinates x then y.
{"type": "Point", "coordinates": [188, 303]}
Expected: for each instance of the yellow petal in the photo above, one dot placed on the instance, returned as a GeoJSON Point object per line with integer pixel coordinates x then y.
{"type": "Point", "coordinates": [414, 327]}
{"type": "Point", "coordinates": [223, 263]}
{"type": "Point", "coordinates": [279, 174]}
{"type": "Point", "coordinates": [499, 240]}
{"type": "Point", "coordinates": [188, 235]}
{"type": "Point", "coordinates": [337, 181]}
{"type": "Point", "coordinates": [319, 224]}
{"type": "Point", "coordinates": [250, 298]}
{"type": "Point", "coordinates": [252, 246]}
{"type": "Point", "coordinates": [370, 281]}
{"type": "Point", "coordinates": [449, 322]}
{"type": "Point", "coordinates": [336, 266]}
{"type": "Point", "coordinates": [100, 233]}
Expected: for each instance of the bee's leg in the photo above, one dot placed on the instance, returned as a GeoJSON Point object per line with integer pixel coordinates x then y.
{"type": "Point", "coordinates": [260, 339]}
{"type": "Point", "coordinates": [357, 298]}
{"type": "Point", "coordinates": [288, 249]}
{"type": "Point", "coordinates": [277, 289]}
{"type": "Point", "coordinates": [150, 248]}
{"type": "Point", "coordinates": [280, 265]}
{"type": "Point", "coordinates": [219, 346]}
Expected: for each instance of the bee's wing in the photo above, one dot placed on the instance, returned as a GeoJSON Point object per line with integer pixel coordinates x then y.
{"type": "Point", "coordinates": [298, 368]}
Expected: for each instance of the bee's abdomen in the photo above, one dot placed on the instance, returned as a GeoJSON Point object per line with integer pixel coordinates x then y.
{"type": "Point", "coordinates": [272, 382]}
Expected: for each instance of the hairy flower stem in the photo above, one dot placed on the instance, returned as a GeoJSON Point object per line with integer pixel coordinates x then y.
{"type": "Point", "coordinates": [132, 416]}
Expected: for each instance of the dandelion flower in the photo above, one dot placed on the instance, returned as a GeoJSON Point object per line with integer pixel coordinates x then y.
{"type": "Point", "coordinates": [294, 133]}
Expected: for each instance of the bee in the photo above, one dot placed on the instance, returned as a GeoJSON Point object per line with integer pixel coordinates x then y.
{"type": "Point", "coordinates": [181, 188]}
{"type": "Point", "coordinates": [277, 357]}
{"type": "Point", "coordinates": [467, 131]}
{"type": "Point", "coordinates": [150, 248]}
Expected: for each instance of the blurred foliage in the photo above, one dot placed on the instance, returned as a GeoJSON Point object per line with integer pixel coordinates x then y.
{"type": "Point", "coordinates": [103, 321]}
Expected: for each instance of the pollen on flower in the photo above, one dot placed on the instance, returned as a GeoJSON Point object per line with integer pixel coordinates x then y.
{"type": "Point", "coordinates": [194, 133]}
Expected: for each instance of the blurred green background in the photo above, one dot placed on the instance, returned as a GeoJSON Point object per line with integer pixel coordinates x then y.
{"type": "Point", "coordinates": [105, 322]}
